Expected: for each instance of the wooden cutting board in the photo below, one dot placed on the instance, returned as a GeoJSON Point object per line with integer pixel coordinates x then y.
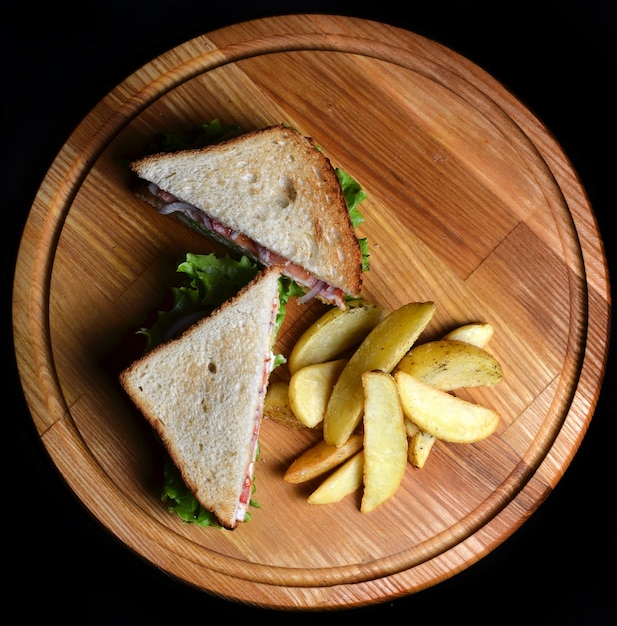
{"type": "Point", "coordinates": [471, 204]}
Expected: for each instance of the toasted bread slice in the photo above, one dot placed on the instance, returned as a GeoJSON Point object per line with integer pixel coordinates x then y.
{"type": "Point", "coordinates": [270, 192]}
{"type": "Point", "coordinates": [203, 392]}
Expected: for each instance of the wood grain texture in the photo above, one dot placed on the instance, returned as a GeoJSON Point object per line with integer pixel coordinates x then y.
{"type": "Point", "coordinates": [472, 204]}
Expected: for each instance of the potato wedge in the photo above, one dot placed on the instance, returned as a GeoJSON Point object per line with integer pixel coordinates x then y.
{"type": "Point", "coordinates": [385, 440]}
{"type": "Point", "coordinates": [335, 332]}
{"type": "Point", "coordinates": [277, 406]}
{"type": "Point", "coordinates": [447, 365]}
{"type": "Point", "coordinates": [310, 388]}
{"type": "Point", "coordinates": [477, 334]}
{"type": "Point", "coordinates": [443, 415]}
{"type": "Point", "coordinates": [342, 482]}
{"type": "Point", "coordinates": [419, 444]}
{"type": "Point", "coordinates": [419, 447]}
{"type": "Point", "coordinates": [382, 349]}
{"type": "Point", "coordinates": [321, 458]}
{"type": "Point", "coordinates": [410, 428]}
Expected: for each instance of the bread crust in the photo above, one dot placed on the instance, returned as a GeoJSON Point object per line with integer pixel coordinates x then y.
{"type": "Point", "coordinates": [275, 186]}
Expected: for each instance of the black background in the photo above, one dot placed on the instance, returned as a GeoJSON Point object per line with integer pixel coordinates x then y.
{"type": "Point", "coordinates": [557, 57]}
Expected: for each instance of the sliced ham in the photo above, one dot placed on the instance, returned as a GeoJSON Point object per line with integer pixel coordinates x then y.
{"type": "Point", "coordinates": [167, 204]}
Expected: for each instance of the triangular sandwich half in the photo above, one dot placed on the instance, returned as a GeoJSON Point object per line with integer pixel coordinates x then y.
{"type": "Point", "coordinates": [203, 392]}
{"type": "Point", "coordinates": [272, 194]}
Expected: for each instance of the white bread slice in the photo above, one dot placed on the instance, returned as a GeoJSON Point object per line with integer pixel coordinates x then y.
{"type": "Point", "coordinates": [203, 393]}
{"type": "Point", "coordinates": [274, 186]}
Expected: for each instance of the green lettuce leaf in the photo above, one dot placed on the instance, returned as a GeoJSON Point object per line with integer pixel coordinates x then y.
{"type": "Point", "coordinates": [354, 194]}
{"type": "Point", "coordinates": [209, 281]}
{"type": "Point", "coordinates": [179, 499]}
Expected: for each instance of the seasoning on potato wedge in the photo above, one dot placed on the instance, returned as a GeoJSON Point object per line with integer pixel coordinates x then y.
{"type": "Point", "coordinates": [277, 406]}
{"type": "Point", "coordinates": [448, 365]}
{"type": "Point", "coordinates": [419, 447]}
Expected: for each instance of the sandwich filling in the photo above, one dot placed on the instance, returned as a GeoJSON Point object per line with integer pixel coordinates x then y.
{"type": "Point", "coordinates": [247, 487]}
{"type": "Point", "coordinates": [168, 203]}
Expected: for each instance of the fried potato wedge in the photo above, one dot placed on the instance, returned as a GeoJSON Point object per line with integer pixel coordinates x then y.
{"type": "Point", "coordinates": [477, 334]}
{"type": "Point", "coordinates": [321, 458]}
{"type": "Point", "coordinates": [382, 349]}
{"type": "Point", "coordinates": [335, 332]}
{"type": "Point", "coordinates": [277, 406]}
{"type": "Point", "coordinates": [447, 365]}
{"type": "Point", "coordinates": [443, 415]}
{"type": "Point", "coordinates": [310, 388]}
{"type": "Point", "coordinates": [385, 440]}
{"type": "Point", "coordinates": [410, 428]}
{"type": "Point", "coordinates": [419, 446]}
{"type": "Point", "coordinates": [342, 482]}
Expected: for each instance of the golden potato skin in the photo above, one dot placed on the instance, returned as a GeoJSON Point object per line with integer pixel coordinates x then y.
{"type": "Point", "coordinates": [419, 447]}
{"type": "Point", "coordinates": [448, 365]}
{"type": "Point", "coordinates": [277, 406]}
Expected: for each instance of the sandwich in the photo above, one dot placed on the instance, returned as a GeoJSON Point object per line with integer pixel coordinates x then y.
{"type": "Point", "coordinates": [270, 194]}
{"type": "Point", "coordinates": [203, 393]}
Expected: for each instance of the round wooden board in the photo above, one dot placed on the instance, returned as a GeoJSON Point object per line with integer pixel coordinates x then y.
{"type": "Point", "coordinates": [472, 204]}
